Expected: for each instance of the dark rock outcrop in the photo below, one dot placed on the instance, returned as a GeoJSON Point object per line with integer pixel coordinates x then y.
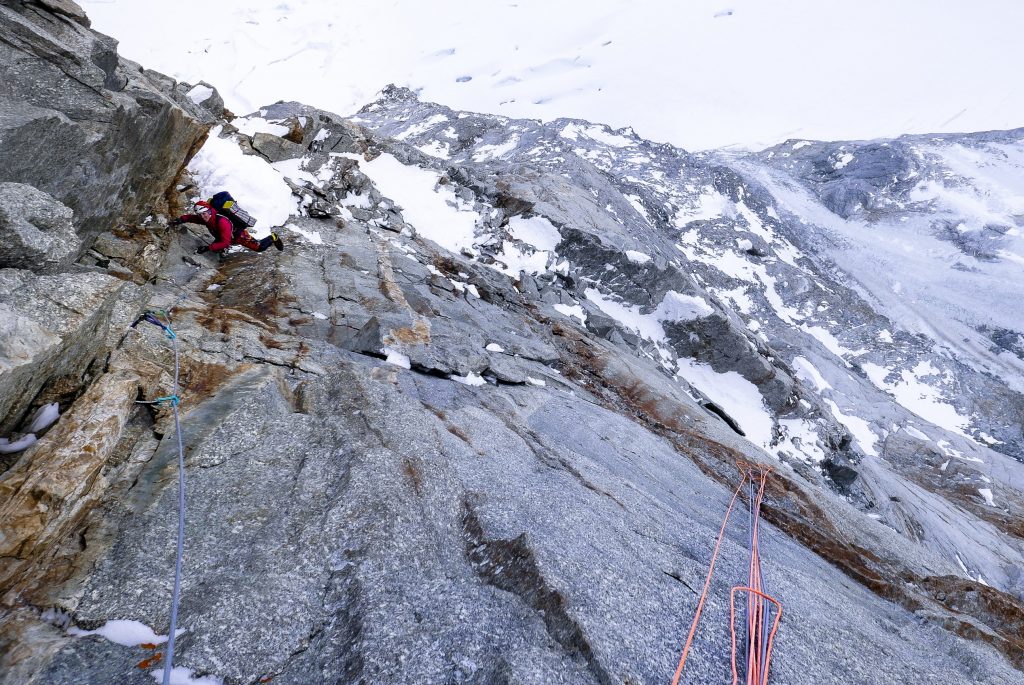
{"type": "Point", "coordinates": [35, 230]}
{"type": "Point", "coordinates": [97, 132]}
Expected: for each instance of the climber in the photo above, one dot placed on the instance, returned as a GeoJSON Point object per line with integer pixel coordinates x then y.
{"type": "Point", "coordinates": [225, 234]}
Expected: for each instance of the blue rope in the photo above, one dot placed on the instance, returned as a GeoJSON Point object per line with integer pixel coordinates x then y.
{"type": "Point", "coordinates": [181, 519]}
{"type": "Point", "coordinates": [174, 401]}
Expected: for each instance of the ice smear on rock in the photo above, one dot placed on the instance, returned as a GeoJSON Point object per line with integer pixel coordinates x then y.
{"type": "Point", "coordinates": [469, 379]}
{"type": "Point", "coordinates": [200, 94]}
{"type": "Point", "coordinates": [311, 236]}
{"type": "Point", "coordinates": [252, 125]}
{"type": "Point", "coordinates": [860, 429]}
{"type": "Point", "coordinates": [124, 632]}
{"type": "Point", "coordinates": [44, 417]}
{"type": "Point", "coordinates": [987, 494]}
{"type": "Point", "coordinates": [674, 307]}
{"type": "Point", "coordinates": [637, 257]}
{"type": "Point", "coordinates": [807, 372]}
{"type": "Point", "coordinates": [917, 396]}
{"type": "Point", "coordinates": [8, 447]}
{"type": "Point", "coordinates": [536, 231]}
{"type": "Point", "coordinates": [574, 310]}
{"type": "Point", "coordinates": [737, 396]}
{"type": "Point", "coordinates": [397, 358]}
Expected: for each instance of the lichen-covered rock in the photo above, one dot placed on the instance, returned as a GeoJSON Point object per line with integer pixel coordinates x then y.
{"type": "Point", "coordinates": [35, 229]}
{"type": "Point", "coordinates": [49, 492]}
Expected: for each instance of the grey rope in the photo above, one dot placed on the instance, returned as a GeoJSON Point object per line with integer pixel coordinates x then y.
{"type": "Point", "coordinates": [176, 596]}
{"type": "Point", "coordinates": [174, 400]}
{"type": "Point", "coordinates": [759, 607]}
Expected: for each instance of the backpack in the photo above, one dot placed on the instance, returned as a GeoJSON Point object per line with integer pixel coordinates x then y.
{"type": "Point", "coordinates": [225, 205]}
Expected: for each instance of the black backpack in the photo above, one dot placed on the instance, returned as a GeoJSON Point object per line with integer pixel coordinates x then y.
{"type": "Point", "coordinates": [225, 205]}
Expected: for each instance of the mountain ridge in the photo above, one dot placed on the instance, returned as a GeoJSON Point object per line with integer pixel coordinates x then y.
{"type": "Point", "coordinates": [439, 439]}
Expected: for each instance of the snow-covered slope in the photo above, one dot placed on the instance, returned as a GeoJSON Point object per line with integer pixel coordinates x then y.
{"type": "Point", "coordinates": [929, 230]}
{"type": "Point", "coordinates": [702, 74]}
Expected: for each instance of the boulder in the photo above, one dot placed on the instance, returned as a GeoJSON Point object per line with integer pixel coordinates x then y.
{"type": "Point", "coordinates": [276, 148]}
{"type": "Point", "coordinates": [51, 327]}
{"type": "Point", "coordinates": [111, 246]}
{"type": "Point", "coordinates": [67, 8]}
{"type": "Point", "coordinates": [204, 95]}
{"type": "Point", "coordinates": [840, 471]}
{"type": "Point", "coordinates": [35, 229]}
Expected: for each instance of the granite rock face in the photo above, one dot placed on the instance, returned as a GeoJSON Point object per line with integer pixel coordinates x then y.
{"type": "Point", "coordinates": [353, 520]}
{"type": "Point", "coordinates": [415, 459]}
{"type": "Point", "coordinates": [35, 230]}
{"type": "Point", "coordinates": [86, 141]}
{"type": "Point", "coordinates": [98, 133]}
{"type": "Point", "coordinates": [480, 421]}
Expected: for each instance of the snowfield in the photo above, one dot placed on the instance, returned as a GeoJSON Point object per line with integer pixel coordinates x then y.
{"type": "Point", "coordinates": [701, 74]}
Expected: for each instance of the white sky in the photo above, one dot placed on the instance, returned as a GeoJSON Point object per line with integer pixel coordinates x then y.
{"type": "Point", "coordinates": [698, 73]}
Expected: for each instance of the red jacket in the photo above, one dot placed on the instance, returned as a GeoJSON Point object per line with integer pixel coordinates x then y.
{"type": "Point", "coordinates": [220, 227]}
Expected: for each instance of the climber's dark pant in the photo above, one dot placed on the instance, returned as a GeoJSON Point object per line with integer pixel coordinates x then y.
{"type": "Point", "coordinates": [246, 240]}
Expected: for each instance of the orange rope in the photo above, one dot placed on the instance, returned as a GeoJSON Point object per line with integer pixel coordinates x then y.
{"type": "Point", "coordinates": [760, 639]}
{"type": "Point", "coordinates": [761, 671]}
{"type": "Point", "coordinates": [707, 584]}
{"type": "Point", "coordinates": [756, 668]}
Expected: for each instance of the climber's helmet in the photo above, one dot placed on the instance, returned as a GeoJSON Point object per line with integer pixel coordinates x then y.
{"type": "Point", "coordinates": [203, 211]}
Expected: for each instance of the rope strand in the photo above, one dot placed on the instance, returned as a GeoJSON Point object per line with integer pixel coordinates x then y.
{"type": "Point", "coordinates": [174, 400]}
{"type": "Point", "coordinates": [761, 609]}
{"type": "Point", "coordinates": [707, 584]}
{"type": "Point", "coordinates": [759, 639]}
{"type": "Point", "coordinates": [176, 595]}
